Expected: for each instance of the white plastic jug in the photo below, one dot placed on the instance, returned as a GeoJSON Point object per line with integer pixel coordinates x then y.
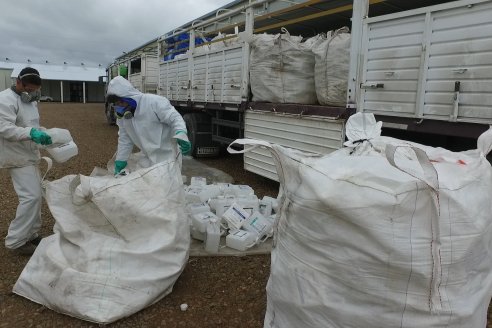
{"type": "Point", "coordinates": [198, 181]}
{"type": "Point", "coordinates": [235, 216]}
{"type": "Point", "coordinates": [212, 240]}
{"type": "Point", "coordinates": [265, 208]}
{"type": "Point", "coordinates": [208, 192]}
{"type": "Point", "coordinates": [192, 194]}
{"type": "Point", "coordinates": [195, 208]}
{"type": "Point", "coordinates": [59, 136]}
{"type": "Point", "coordinates": [220, 204]}
{"type": "Point", "coordinates": [226, 189]}
{"type": "Point", "coordinates": [241, 240]}
{"type": "Point", "coordinates": [259, 225]}
{"type": "Point", "coordinates": [273, 201]}
{"type": "Point", "coordinates": [200, 220]}
{"type": "Point", "coordinates": [64, 152]}
{"type": "Point", "coordinates": [195, 234]}
{"type": "Point", "coordinates": [250, 203]}
{"type": "Point", "coordinates": [243, 190]}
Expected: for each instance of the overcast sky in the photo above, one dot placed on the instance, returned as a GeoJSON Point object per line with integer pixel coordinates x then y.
{"type": "Point", "coordinates": [90, 31]}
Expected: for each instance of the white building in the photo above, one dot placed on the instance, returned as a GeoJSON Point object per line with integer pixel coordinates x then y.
{"type": "Point", "coordinates": [64, 83]}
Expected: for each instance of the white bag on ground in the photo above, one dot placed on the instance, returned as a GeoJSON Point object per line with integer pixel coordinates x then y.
{"type": "Point", "coordinates": [381, 236]}
{"type": "Point", "coordinates": [281, 69]}
{"type": "Point", "coordinates": [119, 244]}
{"type": "Point", "coordinates": [331, 69]}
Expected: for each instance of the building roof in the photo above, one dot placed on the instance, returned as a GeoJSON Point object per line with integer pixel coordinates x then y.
{"type": "Point", "coordinates": [63, 72]}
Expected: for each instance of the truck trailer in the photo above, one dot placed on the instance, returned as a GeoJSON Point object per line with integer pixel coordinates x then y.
{"type": "Point", "coordinates": [422, 67]}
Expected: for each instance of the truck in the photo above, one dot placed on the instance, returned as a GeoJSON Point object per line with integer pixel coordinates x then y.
{"type": "Point", "coordinates": [421, 67]}
{"type": "Point", "coordinates": [140, 66]}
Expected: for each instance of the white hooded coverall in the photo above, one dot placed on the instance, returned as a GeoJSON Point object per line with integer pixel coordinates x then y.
{"type": "Point", "coordinates": [152, 128]}
{"type": "Point", "coordinates": [21, 156]}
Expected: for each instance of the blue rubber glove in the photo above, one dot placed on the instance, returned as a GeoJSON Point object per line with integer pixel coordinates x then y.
{"type": "Point", "coordinates": [40, 137]}
{"type": "Point", "coordinates": [183, 142]}
{"type": "Point", "coordinates": [118, 166]}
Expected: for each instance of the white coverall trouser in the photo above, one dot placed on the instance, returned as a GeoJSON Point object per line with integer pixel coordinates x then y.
{"type": "Point", "coordinates": [27, 222]}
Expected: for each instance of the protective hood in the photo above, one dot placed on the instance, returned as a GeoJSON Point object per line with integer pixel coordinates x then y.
{"type": "Point", "coordinates": [121, 87]}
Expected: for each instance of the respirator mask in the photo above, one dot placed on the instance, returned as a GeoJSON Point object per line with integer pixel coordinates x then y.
{"type": "Point", "coordinates": [28, 97]}
{"type": "Point", "coordinates": [125, 112]}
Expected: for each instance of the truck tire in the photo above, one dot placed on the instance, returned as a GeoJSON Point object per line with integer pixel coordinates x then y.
{"type": "Point", "coordinates": [110, 117]}
{"type": "Point", "coordinates": [199, 126]}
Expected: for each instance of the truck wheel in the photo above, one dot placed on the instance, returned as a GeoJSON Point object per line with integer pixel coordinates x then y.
{"type": "Point", "coordinates": [110, 117]}
{"type": "Point", "coordinates": [199, 126]}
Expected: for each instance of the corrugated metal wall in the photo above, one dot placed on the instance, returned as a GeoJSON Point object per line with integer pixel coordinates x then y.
{"type": "Point", "coordinates": [311, 134]}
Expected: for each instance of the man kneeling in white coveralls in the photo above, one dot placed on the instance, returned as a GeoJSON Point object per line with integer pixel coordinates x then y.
{"type": "Point", "coordinates": [147, 121]}
{"type": "Point", "coordinates": [19, 154]}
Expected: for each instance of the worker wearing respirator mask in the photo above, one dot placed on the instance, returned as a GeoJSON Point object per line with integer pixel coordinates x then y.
{"type": "Point", "coordinates": [19, 130]}
{"type": "Point", "coordinates": [147, 121]}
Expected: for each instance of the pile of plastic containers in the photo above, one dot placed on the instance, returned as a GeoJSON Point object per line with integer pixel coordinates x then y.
{"type": "Point", "coordinates": [234, 211]}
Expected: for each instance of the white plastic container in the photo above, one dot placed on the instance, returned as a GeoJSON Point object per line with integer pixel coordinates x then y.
{"type": "Point", "coordinates": [208, 192]}
{"type": "Point", "coordinates": [273, 201]}
{"type": "Point", "coordinates": [265, 207]}
{"type": "Point", "coordinates": [241, 240]}
{"type": "Point", "coordinates": [243, 191]}
{"type": "Point", "coordinates": [195, 234]}
{"type": "Point", "coordinates": [64, 152]}
{"type": "Point", "coordinates": [271, 218]}
{"type": "Point", "coordinates": [259, 225]}
{"type": "Point", "coordinates": [249, 203]}
{"type": "Point", "coordinates": [226, 189]}
{"type": "Point", "coordinates": [59, 136]}
{"type": "Point", "coordinates": [220, 204]}
{"type": "Point", "coordinates": [200, 220]}
{"type": "Point", "coordinates": [195, 208]}
{"type": "Point", "coordinates": [192, 194]}
{"type": "Point", "coordinates": [198, 181]}
{"type": "Point", "coordinates": [212, 240]}
{"type": "Point", "coordinates": [235, 216]}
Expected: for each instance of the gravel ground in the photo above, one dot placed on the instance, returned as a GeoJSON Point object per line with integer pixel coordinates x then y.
{"type": "Point", "coordinates": [220, 291]}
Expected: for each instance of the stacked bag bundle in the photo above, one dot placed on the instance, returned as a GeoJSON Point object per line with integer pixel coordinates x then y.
{"type": "Point", "coordinates": [381, 233]}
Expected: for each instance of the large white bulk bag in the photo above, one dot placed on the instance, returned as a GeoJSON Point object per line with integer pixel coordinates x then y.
{"type": "Point", "coordinates": [281, 69]}
{"type": "Point", "coordinates": [224, 41]}
{"type": "Point", "coordinates": [331, 69]}
{"type": "Point", "coordinates": [119, 244]}
{"type": "Point", "coordinates": [384, 233]}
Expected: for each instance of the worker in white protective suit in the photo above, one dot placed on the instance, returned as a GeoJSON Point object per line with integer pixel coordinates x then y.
{"type": "Point", "coordinates": [19, 135]}
{"type": "Point", "coordinates": [147, 121]}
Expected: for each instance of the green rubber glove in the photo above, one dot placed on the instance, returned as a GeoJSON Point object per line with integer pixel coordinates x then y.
{"type": "Point", "coordinates": [183, 142]}
{"type": "Point", "coordinates": [118, 166]}
{"type": "Point", "coordinates": [40, 137]}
